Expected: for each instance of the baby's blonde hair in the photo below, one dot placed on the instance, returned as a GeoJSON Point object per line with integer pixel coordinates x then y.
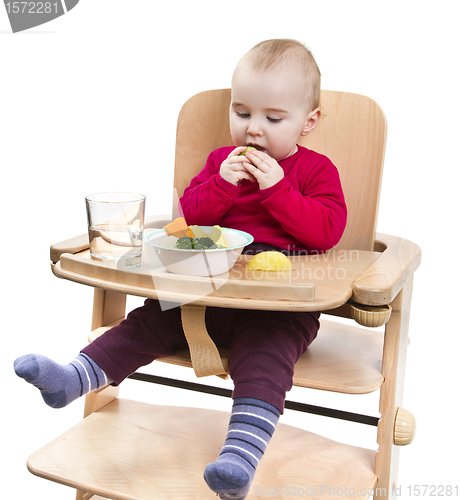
{"type": "Point", "coordinates": [283, 51]}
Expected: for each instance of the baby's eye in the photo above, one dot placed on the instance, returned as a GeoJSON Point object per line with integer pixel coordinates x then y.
{"type": "Point", "coordinates": [242, 115]}
{"type": "Point", "coordinates": [274, 120]}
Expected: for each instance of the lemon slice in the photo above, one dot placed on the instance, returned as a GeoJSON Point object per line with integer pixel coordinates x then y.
{"type": "Point", "coordinates": [269, 261]}
{"type": "Point", "coordinates": [217, 236]}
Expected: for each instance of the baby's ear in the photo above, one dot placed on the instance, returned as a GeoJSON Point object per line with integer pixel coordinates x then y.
{"type": "Point", "coordinates": [311, 121]}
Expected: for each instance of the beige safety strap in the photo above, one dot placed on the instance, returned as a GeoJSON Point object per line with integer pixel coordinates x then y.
{"type": "Point", "coordinates": [204, 354]}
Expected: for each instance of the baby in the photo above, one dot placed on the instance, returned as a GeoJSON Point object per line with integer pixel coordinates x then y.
{"type": "Point", "coordinates": [289, 199]}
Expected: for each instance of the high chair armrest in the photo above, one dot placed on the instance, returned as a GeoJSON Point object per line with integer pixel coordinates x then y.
{"type": "Point", "coordinates": [72, 245]}
{"type": "Point", "coordinates": [386, 276]}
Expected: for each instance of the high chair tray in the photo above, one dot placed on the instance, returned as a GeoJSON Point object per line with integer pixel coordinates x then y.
{"type": "Point", "coordinates": [316, 282]}
{"type": "Point", "coordinates": [135, 451]}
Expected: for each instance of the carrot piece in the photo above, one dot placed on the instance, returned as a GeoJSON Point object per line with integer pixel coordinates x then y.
{"type": "Point", "coordinates": [177, 228]}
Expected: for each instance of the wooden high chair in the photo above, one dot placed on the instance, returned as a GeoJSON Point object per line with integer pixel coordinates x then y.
{"type": "Point", "coordinates": [128, 450]}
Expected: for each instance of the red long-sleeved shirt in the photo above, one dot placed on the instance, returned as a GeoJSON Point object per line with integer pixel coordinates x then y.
{"type": "Point", "coordinates": [303, 211]}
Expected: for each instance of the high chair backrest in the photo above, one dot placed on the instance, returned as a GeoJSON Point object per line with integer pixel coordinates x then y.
{"type": "Point", "coordinates": [351, 132]}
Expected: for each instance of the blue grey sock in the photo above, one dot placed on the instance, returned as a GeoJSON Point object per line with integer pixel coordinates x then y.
{"type": "Point", "coordinates": [251, 426]}
{"type": "Point", "coordinates": [61, 384]}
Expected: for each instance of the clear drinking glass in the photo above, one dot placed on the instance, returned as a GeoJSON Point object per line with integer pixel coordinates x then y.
{"type": "Point", "coordinates": [115, 226]}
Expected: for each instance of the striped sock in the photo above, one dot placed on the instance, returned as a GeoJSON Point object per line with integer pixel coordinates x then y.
{"type": "Point", "coordinates": [61, 384]}
{"type": "Point", "coordinates": [251, 426]}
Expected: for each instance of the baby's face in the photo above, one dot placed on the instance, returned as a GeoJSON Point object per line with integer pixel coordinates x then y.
{"type": "Point", "coordinates": [267, 110]}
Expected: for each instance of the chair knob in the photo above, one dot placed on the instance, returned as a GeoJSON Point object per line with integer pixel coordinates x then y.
{"type": "Point", "coordinates": [370, 316]}
{"type": "Point", "coordinates": [404, 427]}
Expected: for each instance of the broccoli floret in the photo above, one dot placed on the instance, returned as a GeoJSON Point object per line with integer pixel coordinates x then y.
{"type": "Point", "coordinates": [187, 243]}
{"type": "Point", "coordinates": [204, 243]}
{"type": "Point", "coordinates": [184, 243]}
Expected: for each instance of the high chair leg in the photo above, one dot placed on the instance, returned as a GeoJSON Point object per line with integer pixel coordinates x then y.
{"type": "Point", "coordinates": [107, 307]}
{"type": "Point", "coordinates": [394, 356]}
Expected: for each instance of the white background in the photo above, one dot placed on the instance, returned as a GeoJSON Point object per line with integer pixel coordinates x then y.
{"type": "Point", "coordinates": [89, 102]}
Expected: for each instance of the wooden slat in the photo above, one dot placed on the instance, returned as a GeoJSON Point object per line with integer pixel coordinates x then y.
{"type": "Point", "coordinates": [133, 451]}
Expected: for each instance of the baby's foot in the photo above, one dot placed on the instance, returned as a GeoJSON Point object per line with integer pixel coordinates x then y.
{"type": "Point", "coordinates": [228, 478]}
{"type": "Point", "coordinates": [61, 384]}
{"type": "Point", "coordinates": [251, 426]}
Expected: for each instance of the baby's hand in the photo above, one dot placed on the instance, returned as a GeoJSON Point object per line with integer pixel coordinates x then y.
{"type": "Point", "coordinates": [234, 167]}
{"type": "Point", "coordinates": [264, 169]}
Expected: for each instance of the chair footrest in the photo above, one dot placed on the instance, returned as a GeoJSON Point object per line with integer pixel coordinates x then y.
{"type": "Point", "coordinates": [135, 451]}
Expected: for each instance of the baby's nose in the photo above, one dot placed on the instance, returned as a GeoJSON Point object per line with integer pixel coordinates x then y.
{"type": "Point", "coordinates": [254, 127]}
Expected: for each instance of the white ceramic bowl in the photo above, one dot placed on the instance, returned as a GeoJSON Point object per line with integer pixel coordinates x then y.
{"type": "Point", "coordinates": [209, 262]}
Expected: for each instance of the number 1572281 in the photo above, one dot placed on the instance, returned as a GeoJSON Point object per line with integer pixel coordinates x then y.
{"type": "Point", "coordinates": [32, 7]}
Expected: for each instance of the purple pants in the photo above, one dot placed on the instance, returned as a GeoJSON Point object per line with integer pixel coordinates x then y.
{"type": "Point", "coordinates": [264, 345]}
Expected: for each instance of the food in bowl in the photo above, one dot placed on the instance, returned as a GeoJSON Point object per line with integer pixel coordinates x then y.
{"type": "Point", "coordinates": [193, 237]}
{"type": "Point", "coordinates": [188, 243]}
{"type": "Point", "coordinates": [177, 228]}
{"type": "Point", "coordinates": [225, 248]}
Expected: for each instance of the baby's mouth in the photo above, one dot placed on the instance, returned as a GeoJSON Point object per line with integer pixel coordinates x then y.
{"type": "Point", "coordinates": [256, 146]}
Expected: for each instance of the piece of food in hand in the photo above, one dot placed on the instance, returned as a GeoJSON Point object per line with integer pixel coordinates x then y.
{"type": "Point", "coordinates": [249, 148]}
{"type": "Point", "coordinates": [217, 236]}
{"type": "Point", "coordinates": [269, 261]}
{"type": "Point", "coordinates": [177, 228]}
